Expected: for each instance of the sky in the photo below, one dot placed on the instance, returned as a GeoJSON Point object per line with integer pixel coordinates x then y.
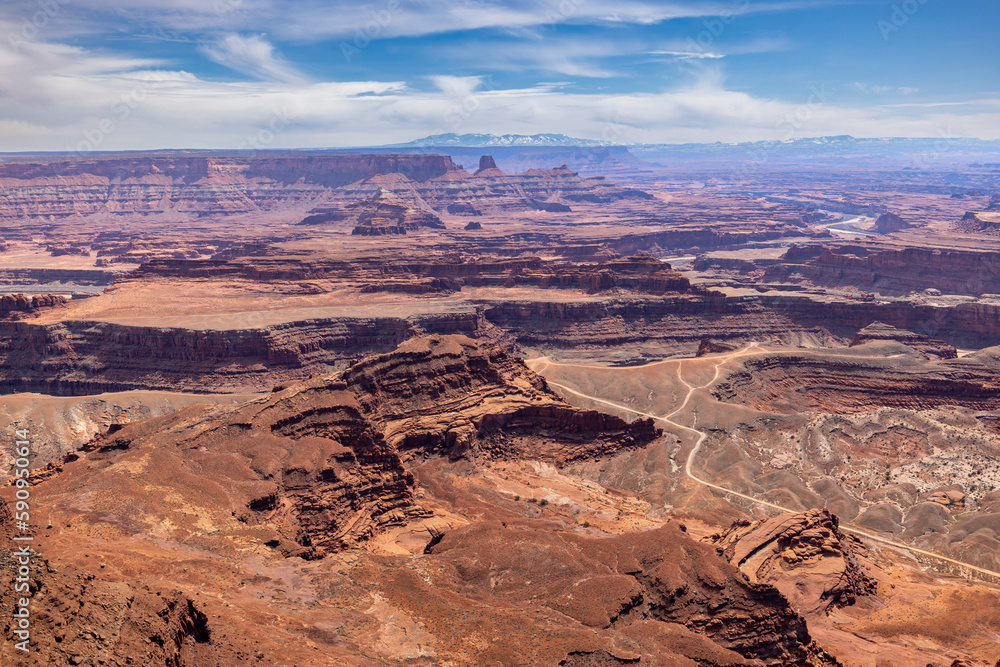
{"type": "Point", "coordinates": [96, 75]}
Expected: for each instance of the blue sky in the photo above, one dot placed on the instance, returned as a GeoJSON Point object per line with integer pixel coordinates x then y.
{"type": "Point", "coordinates": [88, 75]}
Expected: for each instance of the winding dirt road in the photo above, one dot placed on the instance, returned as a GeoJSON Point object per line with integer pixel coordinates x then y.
{"type": "Point", "coordinates": [702, 436]}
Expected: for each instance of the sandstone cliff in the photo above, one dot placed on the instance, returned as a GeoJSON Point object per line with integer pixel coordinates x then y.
{"type": "Point", "coordinates": [209, 185]}
{"type": "Point", "coordinates": [319, 465]}
{"type": "Point", "coordinates": [806, 556]}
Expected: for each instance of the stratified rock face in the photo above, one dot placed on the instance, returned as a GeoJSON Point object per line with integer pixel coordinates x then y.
{"type": "Point", "coordinates": [888, 223]}
{"type": "Point", "coordinates": [985, 222]}
{"type": "Point", "coordinates": [806, 556]}
{"type": "Point", "coordinates": [318, 466]}
{"type": "Point", "coordinates": [384, 213]}
{"type": "Point", "coordinates": [709, 346]}
{"type": "Point", "coordinates": [490, 189]}
{"type": "Point", "coordinates": [85, 621]}
{"type": "Point", "coordinates": [486, 162]}
{"type": "Point", "coordinates": [21, 303]}
{"type": "Point", "coordinates": [929, 347]}
{"type": "Point", "coordinates": [200, 186]}
{"type": "Point", "coordinates": [890, 270]}
{"type": "Point", "coordinates": [464, 209]}
{"type": "Point", "coordinates": [448, 394]}
{"type": "Point", "coordinates": [900, 378]}
{"type": "Point", "coordinates": [672, 600]}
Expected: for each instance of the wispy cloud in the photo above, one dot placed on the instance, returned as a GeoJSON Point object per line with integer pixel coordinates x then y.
{"type": "Point", "coordinates": [252, 55]}
{"type": "Point", "coordinates": [337, 19]}
{"type": "Point", "coordinates": [687, 55]}
{"type": "Point", "coordinates": [883, 90]}
{"type": "Point", "coordinates": [53, 96]}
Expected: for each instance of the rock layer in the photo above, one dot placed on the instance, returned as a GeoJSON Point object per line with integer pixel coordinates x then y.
{"type": "Point", "coordinates": [806, 556]}
{"type": "Point", "coordinates": [929, 347]}
{"type": "Point", "coordinates": [319, 466]}
{"type": "Point", "coordinates": [201, 186]}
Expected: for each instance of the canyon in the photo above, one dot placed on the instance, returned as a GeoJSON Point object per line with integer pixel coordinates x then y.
{"type": "Point", "coordinates": [359, 408]}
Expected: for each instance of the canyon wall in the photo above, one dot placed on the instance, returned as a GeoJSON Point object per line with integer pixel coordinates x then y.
{"type": "Point", "coordinates": [192, 185]}
{"type": "Point", "coordinates": [891, 271]}
{"type": "Point", "coordinates": [80, 357]}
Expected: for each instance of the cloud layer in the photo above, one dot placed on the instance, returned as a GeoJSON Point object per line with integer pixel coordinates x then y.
{"type": "Point", "coordinates": [56, 94]}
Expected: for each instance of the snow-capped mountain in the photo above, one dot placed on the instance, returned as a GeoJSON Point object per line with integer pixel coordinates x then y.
{"type": "Point", "coordinates": [485, 140]}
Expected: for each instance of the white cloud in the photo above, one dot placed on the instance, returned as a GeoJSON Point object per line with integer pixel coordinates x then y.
{"type": "Point", "coordinates": [344, 19]}
{"type": "Point", "coordinates": [688, 55]}
{"type": "Point", "coordinates": [58, 97]}
{"type": "Point", "coordinates": [252, 55]}
{"type": "Point", "coordinates": [457, 86]}
{"type": "Point", "coordinates": [883, 90]}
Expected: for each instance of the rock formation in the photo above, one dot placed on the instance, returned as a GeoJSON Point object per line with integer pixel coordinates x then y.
{"type": "Point", "coordinates": [319, 466]}
{"type": "Point", "coordinates": [674, 599]}
{"type": "Point", "coordinates": [816, 381]}
{"type": "Point", "coordinates": [486, 164]}
{"type": "Point", "coordinates": [985, 222]}
{"type": "Point", "coordinates": [385, 213]}
{"type": "Point", "coordinates": [806, 556]}
{"type": "Point", "coordinates": [929, 347]}
{"type": "Point", "coordinates": [203, 185]}
{"type": "Point", "coordinates": [890, 270]}
{"type": "Point", "coordinates": [709, 346]}
{"type": "Point", "coordinates": [888, 223]}
{"type": "Point", "coordinates": [20, 303]}
{"type": "Point", "coordinates": [79, 619]}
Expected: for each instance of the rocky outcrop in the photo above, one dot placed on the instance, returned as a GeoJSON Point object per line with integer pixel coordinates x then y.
{"type": "Point", "coordinates": [806, 556]}
{"type": "Point", "coordinates": [929, 347]}
{"type": "Point", "coordinates": [637, 310]}
{"type": "Point", "coordinates": [20, 303]}
{"type": "Point", "coordinates": [642, 273]}
{"type": "Point", "coordinates": [709, 346]}
{"type": "Point", "coordinates": [84, 618]}
{"type": "Point", "coordinates": [484, 402]}
{"type": "Point", "coordinates": [93, 277]}
{"type": "Point", "coordinates": [951, 497]}
{"type": "Point", "coordinates": [385, 213]}
{"type": "Point", "coordinates": [486, 162]}
{"type": "Point", "coordinates": [887, 223]}
{"type": "Point", "coordinates": [489, 190]}
{"type": "Point", "coordinates": [320, 465]}
{"type": "Point", "coordinates": [984, 222]}
{"type": "Point", "coordinates": [675, 600]}
{"type": "Point", "coordinates": [464, 209]}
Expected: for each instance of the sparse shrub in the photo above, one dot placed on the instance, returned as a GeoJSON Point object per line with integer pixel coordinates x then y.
{"type": "Point", "coordinates": [543, 502]}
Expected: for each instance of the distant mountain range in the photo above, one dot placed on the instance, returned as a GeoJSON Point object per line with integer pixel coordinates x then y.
{"type": "Point", "coordinates": [844, 141]}
{"type": "Point", "coordinates": [487, 140]}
